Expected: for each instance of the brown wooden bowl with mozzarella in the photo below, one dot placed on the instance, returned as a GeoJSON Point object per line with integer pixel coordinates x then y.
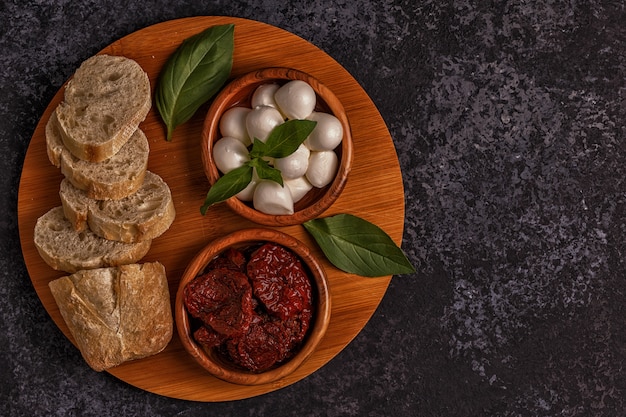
{"type": "Point", "coordinates": [247, 108]}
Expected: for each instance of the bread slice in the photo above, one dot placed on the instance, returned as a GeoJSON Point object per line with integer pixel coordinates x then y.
{"type": "Point", "coordinates": [143, 215]}
{"type": "Point", "coordinates": [54, 142]}
{"type": "Point", "coordinates": [114, 178]}
{"type": "Point", "coordinates": [116, 314]}
{"type": "Point", "coordinates": [103, 105]}
{"type": "Point", "coordinates": [65, 249]}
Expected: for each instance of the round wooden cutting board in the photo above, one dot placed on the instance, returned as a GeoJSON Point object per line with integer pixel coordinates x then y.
{"type": "Point", "coordinates": [374, 192]}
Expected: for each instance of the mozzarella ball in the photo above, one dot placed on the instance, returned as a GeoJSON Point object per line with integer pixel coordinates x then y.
{"type": "Point", "coordinates": [272, 198]}
{"type": "Point", "coordinates": [247, 194]}
{"type": "Point", "coordinates": [233, 124]}
{"type": "Point", "coordinates": [229, 153]}
{"type": "Point", "coordinates": [327, 134]}
{"type": "Point", "coordinates": [322, 168]}
{"type": "Point", "coordinates": [296, 99]}
{"type": "Point", "coordinates": [298, 187]}
{"type": "Point", "coordinates": [264, 95]}
{"type": "Point", "coordinates": [294, 165]}
{"type": "Point", "coordinates": [261, 121]}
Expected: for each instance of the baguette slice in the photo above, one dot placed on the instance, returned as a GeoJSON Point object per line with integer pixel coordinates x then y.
{"type": "Point", "coordinates": [113, 178]}
{"type": "Point", "coordinates": [103, 105]}
{"type": "Point", "coordinates": [65, 249]}
{"type": "Point", "coordinates": [143, 215]}
{"type": "Point", "coordinates": [116, 314]}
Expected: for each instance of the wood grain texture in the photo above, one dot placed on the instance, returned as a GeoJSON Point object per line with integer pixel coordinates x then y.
{"type": "Point", "coordinates": [374, 192]}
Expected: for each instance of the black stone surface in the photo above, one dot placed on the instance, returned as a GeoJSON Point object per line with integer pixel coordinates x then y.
{"type": "Point", "coordinates": [508, 118]}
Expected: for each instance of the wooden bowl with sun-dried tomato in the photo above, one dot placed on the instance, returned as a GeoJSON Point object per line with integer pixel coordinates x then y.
{"type": "Point", "coordinates": [252, 306]}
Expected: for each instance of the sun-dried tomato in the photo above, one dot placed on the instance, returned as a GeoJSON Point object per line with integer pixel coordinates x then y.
{"type": "Point", "coordinates": [262, 346]}
{"type": "Point", "coordinates": [279, 281]}
{"type": "Point", "coordinates": [297, 326]}
{"type": "Point", "coordinates": [208, 337]}
{"type": "Point", "coordinates": [221, 299]}
{"type": "Point", "coordinates": [230, 259]}
{"type": "Point", "coordinates": [256, 311]}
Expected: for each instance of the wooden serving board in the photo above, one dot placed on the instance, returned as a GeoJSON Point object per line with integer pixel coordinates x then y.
{"type": "Point", "coordinates": [374, 192]}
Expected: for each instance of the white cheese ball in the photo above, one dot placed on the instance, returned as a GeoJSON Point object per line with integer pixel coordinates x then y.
{"type": "Point", "coordinates": [261, 121]}
{"type": "Point", "coordinates": [298, 187]}
{"type": "Point", "coordinates": [296, 99]}
{"type": "Point", "coordinates": [247, 194]}
{"type": "Point", "coordinates": [233, 124]}
{"type": "Point", "coordinates": [272, 198]}
{"type": "Point", "coordinates": [322, 168]}
{"type": "Point", "coordinates": [229, 153]}
{"type": "Point", "coordinates": [264, 95]}
{"type": "Point", "coordinates": [294, 165]}
{"type": "Point", "coordinates": [327, 134]}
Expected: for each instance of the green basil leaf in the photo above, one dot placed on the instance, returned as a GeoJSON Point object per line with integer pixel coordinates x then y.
{"type": "Point", "coordinates": [357, 246]}
{"type": "Point", "coordinates": [265, 171]}
{"type": "Point", "coordinates": [285, 138]}
{"type": "Point", "coordinates": [227, 186]}
{"type": "Point", "coordinates": [258, 149]}
{"type": "Point", "coordinates": [193, 74]}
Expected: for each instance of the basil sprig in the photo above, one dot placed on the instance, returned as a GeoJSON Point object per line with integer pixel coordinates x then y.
{"type": "Point", "coordinates": [193, 74]}
{"type": "Point", "coordinates": [282, 141]}
{"type": "Point", "coordinates": [357, 246]}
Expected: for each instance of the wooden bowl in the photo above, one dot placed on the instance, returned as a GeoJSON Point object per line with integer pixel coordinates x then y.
{"type": "Point", "coordinates": [239, 93]}
{"type": "Point", "coordinates": [214, 362]}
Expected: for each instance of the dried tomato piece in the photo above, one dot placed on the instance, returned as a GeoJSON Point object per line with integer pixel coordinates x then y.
{"type": "Point", "coordinates": [208, 337]}
{"type": "Point", "coordinates": [279, 280]}
{"type": "Point", "coordinates": [296, 327]}
{"type": "Point", "coordinates": [264, 345]}
{"type": "Point", "coordinates": [221, 299]}
{"type": "Point", "coordinates": [230, 259]}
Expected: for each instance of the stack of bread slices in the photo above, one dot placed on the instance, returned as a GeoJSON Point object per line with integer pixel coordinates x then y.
{"type": "Point", "coordinates": [111, 209]}
{"type": "Point", "coordinates": [112, 206]}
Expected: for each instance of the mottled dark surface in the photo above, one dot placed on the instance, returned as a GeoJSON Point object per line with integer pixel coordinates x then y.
{"type": "Point", "coordinates": [508, 119]}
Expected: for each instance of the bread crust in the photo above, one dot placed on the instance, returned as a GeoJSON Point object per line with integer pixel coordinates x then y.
{"type": "Point", "coordinates": [116, 314]}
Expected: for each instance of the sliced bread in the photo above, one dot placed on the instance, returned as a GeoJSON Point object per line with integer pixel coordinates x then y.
{"type": "Point", "coordinates": [114, 178]}
{"type": "Point", "coordinates": [116, 314]}
{"type": "Point", "coordinates": [103, 105]}
{"type": "Point", "coordinates": [143, 215]}
{"type": "Point", "coordinates": [65, 249]}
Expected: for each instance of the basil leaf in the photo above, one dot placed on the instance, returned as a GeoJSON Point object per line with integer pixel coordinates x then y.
{"type": "Point", "coordinates": [285, 138]}
{"type": "Point", "coordinates": [193, 74]}
{"type": "Point", "coordinates": [357, 246]}
{"type": "Point", "coordinates": [258, 149]}
{"type": "Point", "coordinates": [265, 171]}
{"type": "Point", "coordinates": [227, 186]}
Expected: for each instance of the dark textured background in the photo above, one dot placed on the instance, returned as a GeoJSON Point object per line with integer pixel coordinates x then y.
{"type": "Point", "coordinates": [508, 118]}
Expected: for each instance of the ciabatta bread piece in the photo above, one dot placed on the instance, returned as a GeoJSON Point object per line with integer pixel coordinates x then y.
{"type": "Point", "coordinates": [143, 215]}
{"type": "Point", "coordinates": [104, 102]}
{"type": "Point", "coordinates": [114, 178]}
{"type": "Point", "coordinates": [65, 249]}
{"type": "Point", "coordinates": [116, 314]}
